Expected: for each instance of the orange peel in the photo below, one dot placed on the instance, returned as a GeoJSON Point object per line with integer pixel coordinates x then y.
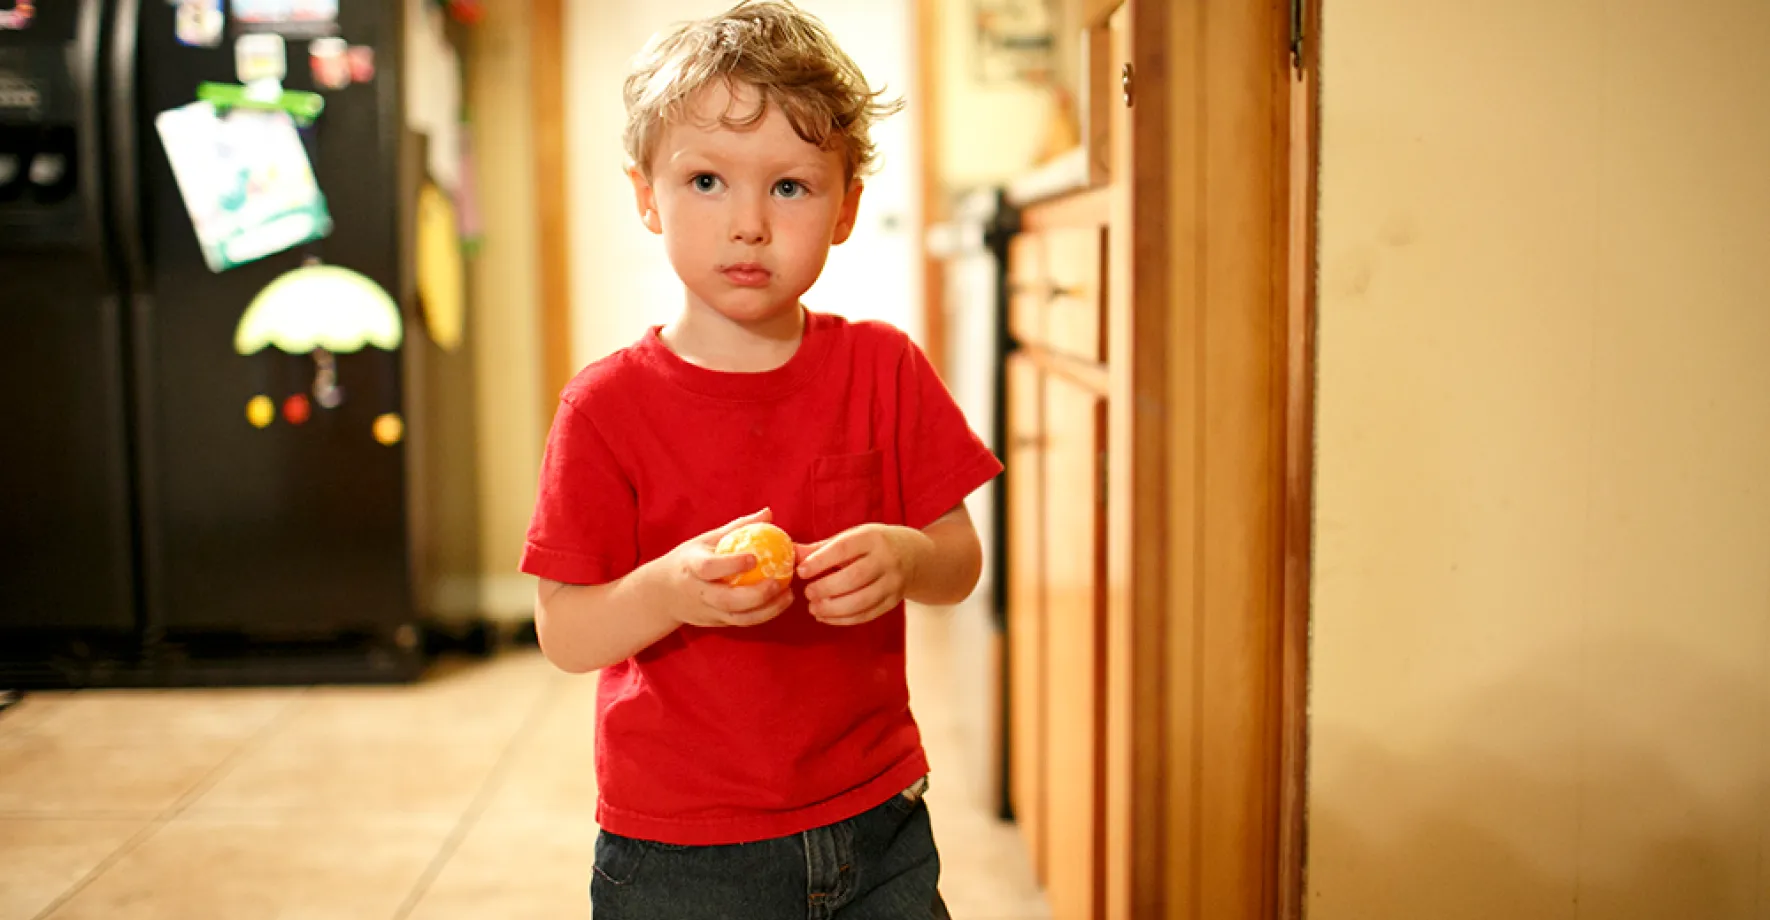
{"type": "Point", "coordinates": [770, 545]}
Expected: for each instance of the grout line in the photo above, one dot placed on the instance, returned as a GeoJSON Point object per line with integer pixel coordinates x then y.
{"type": "Point", "coordinates": [481, 800]}
{"type": "Point", "coordinates": [75, 814]}
{"type": "Point", "coordinates": [177, 808]}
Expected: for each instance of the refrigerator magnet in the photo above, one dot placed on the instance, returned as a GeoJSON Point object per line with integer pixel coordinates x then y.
{"type": "Point", "coordinates": [260, 411]}
{"type": "Point", "coordinates": [320, 306]}
{"type": "Point", "coordinates": [261, 56]}
{"type": "Point", "coordinates": [467, 12]}
{"type": "Point", "coordinates": [331, 66]}
{"type": "Point", "coordinates": [19, 17]}
{"type": "Point", "coordinates": [297, 410]}
{"type": "Point", "coordinates": [293, 18]}
{"type": "Point", "coordinates": [441, 277]}
{"type": "Point", "coordinates": [388, 429]}
{"type": "Point", "coordinates": [200, 23]}
{"type": "Point", "coordinates": [362, 63]}
{"type": "Point", "coordinates": [246, 182]}
{"type": "Point", "coordinates": [261, 12]}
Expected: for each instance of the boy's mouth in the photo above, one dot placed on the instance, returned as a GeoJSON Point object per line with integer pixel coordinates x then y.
{"type": "Point", "coordinates": [747, 274]}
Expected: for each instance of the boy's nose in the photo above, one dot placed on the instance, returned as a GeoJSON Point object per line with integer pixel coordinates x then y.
{"type": "Point", "coordinates": [748, 224]}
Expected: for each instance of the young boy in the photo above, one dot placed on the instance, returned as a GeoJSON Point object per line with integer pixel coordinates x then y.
{"type": "Point", "coordinates": [756, 755]}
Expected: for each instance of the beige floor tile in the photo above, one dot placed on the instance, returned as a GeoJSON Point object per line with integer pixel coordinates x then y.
{"type": "Point", "coordinates": [337, 867]}
{"type": "Point", "coordinates": [985, 873]}
{"type": "Point", "coordinates": [571, 712]}
{"type": "Point", "coordinates": [527, 868]}
{"type": "Point", "coordinates": [32, 708]}
{"type": "Point", "coordinates": [44, 857]}
{"type": "Point", "coordinates": [508, 663]}
{"type": "Point", "coordinates": [368, 776]}
{"type": "Point", "coordinates": [483, 704]}
{"type": "Point", "coordinates": [341, 797]}
{"type": "Point", "coordinates": [552, 768]}
{"type": "Point", "coordinates": [548, 776]}
{"type": "Point", "coordinates": [162, 716]}
{"type": "Point", "coordinates": [51, 775]}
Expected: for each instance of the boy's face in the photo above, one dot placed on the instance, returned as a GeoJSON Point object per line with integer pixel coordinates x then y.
{"type": "Point", "coordinates": [748, 215]}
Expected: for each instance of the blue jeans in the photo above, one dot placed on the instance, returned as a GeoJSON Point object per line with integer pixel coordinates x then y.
{"type": "Point", "coordinates": [880, 865]}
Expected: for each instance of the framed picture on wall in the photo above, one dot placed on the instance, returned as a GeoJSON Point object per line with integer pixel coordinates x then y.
{"type": "Point", "coordinates": [1014, 41]}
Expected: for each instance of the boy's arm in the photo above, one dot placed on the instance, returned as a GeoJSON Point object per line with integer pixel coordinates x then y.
{"type": "Point", "coordinates": [588, 627]}
{"type": "Point", "coordinates": [949, 561]}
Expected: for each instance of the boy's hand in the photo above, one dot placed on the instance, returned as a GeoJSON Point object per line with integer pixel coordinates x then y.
{"type": "Point", "coordinates": [860, 574]}
{"type": "Point", "coordinates": [696, 574]}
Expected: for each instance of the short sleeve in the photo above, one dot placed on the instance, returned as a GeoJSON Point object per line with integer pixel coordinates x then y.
{"type": "Point", "coordinates": [584, 529]}
{"type": "Point", "coordinates": [940, 459]}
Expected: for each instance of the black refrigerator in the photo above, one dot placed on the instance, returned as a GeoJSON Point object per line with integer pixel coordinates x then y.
{"type": "Point", "coordinates": [150, 533]}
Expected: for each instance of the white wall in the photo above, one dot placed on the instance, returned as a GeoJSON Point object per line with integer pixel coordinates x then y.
{"type": "Point", "coordinates": [621, 280]}
{"type": "Point", "coordinates": [1541, 672]}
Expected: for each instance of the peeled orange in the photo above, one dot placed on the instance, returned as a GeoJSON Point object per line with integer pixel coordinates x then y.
{"type": "Point", "coordinates": [770, 545]}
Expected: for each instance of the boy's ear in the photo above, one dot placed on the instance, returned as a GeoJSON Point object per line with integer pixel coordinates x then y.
{"type": "Point", "coordinates": [646, 199]}
{"type": "Point", "coordinates": [850, 210]}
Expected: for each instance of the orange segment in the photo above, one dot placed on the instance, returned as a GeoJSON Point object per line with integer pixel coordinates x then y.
{"type": "Point", "coordinates": [770, 545]}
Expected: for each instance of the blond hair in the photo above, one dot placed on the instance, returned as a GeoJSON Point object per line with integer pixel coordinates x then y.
{"type": "Point", "coordinates": [790, 58]}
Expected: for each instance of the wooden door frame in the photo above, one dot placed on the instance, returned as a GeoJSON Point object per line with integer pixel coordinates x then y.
{"type": "Point", "coordinates": [546, 45]}
{"type": "Point", "coordinates": [926, 46]}
{"type": "Point", "coordinates": [1304, 151]}
{"type": "Point", "coordinates": [1212, 424]}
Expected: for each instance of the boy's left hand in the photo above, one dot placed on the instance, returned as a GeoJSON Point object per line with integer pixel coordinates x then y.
{"type": "Point", "coordinates": [860, 574]}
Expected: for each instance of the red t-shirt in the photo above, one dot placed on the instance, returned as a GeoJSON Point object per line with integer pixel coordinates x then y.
{"type": "Point", "coordinates": [716, 736]}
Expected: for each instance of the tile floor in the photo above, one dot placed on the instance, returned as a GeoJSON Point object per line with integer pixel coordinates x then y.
{"type": "Point", "coordinates": [468, 795]}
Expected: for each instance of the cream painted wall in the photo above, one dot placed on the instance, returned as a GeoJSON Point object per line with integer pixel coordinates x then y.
{"type": "Point", "coordinates": [990, 134]}
{"type": "Point", "coordinates": [506, 308]}
{"type": "Point", "coordinates": [622, 282]}
{"type": "Point", "coordinates": [1541, 672]}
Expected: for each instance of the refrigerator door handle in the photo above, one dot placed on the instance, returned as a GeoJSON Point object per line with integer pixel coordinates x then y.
{"type": "Point", "coordinates": [128, 226]}
{"type": "Point", "coordinates": [89, 155]}
{"type": "Point", "coordinates": [125, 143]}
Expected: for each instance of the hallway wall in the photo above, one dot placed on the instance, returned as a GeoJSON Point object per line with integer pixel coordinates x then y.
{"type": "Point", "coordinates": [1541, 664]}
{"type": "Point", "coordinates": [506, 305]}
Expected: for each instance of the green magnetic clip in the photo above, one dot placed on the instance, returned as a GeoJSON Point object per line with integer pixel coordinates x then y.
{"type": "Point", "coordinates": [303, 107]}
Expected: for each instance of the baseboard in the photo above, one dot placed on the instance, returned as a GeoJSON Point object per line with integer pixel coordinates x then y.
{"type": "Point", "coordinates": [508, 597]}
{"type": "Point", "coordinates": [502, 598]}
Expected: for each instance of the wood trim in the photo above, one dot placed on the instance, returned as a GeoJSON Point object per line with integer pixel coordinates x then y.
{"type": "Point", "coordinates": [1210, 337]}
{"type": "Point", "coordinates": [1092, 208]}
{"type": "Point", "coordinates": [547, 40]}
{"type": "Point", "coordinates": [1142, 757]}
{"type": "Point", "coordinates": [1222, 228]}
{"type": "Point", "coordinates": [1089, 375]}
{"type": "Point", "coordinates": [1101, 87]}
{"type": "Point", "coordinates": [1097, 12]}
{"type": "Point", "coordinates": [1303, 164]}
{"type": "Point", "coordinates": [927, 15]}
{"type": "Point", "coordinates": [1099, 893]}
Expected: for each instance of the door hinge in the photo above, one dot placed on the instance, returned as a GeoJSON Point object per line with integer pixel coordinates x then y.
{"type": "Point", "coordinates": [1298, 20]}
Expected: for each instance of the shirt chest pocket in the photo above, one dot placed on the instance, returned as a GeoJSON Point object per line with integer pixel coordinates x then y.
{"type": "Point", "coordinates": [847, 490]}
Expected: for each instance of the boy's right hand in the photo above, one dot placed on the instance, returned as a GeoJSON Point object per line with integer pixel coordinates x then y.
{"type": "Point", "coordinates": [696, 573]}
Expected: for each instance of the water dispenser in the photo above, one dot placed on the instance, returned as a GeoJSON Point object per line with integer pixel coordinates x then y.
{"type": "Point", "coordinates": [48, 131]}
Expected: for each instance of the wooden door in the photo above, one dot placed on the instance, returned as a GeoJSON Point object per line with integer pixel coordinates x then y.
{"type": "Point", "coordinates": [1075, 698]}
{"type": "Point", "coordinates": [1025, 483]}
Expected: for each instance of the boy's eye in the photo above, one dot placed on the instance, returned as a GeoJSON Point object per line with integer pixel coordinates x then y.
{"type": "Point", "coordinates": [790, 188]}
{"type": "Point", "coordinates": [705, 182]}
